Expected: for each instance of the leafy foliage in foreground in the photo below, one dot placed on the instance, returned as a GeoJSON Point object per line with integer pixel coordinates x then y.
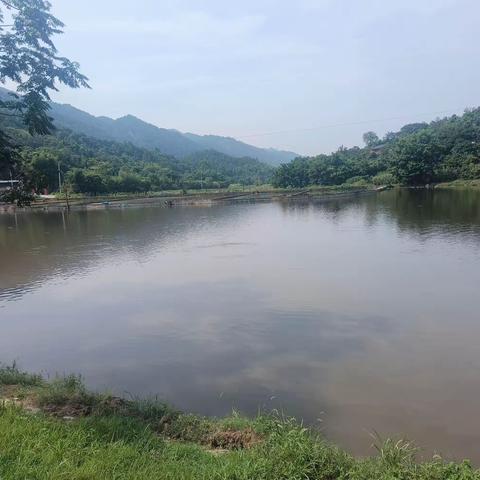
{"type": "Point", "coordinates": [419, 154]}
{"type": "Point", "coordinates": [29, 59]}
{"type": "Point", "coordinates": [120, 439]}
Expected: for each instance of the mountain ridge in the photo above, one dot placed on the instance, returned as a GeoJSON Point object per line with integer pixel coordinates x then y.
{"type": "Point", "coordinates": [132, 129]}
{"type": "Point", "coordinates": [129, 128]}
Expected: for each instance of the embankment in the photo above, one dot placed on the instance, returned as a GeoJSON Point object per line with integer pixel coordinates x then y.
{"type": "Point", "coordinates": [58, 429]}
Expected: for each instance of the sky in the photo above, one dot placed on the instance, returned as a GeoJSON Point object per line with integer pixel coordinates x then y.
{"type": "Point", "coordinates": [303, 75]}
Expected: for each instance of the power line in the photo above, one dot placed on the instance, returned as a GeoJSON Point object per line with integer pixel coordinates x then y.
{"type": "Point", "coordinates": [346, 124]}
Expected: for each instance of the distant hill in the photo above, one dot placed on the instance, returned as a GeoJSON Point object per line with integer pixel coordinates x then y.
{"type": "Point", "coordinates": [168, 141]}
{"type": "Point", "coordinates": [125, 129]}
{"type": "Point", "coordinates": [235, 148]}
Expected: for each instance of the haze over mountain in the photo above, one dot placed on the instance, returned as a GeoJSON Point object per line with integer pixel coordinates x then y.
{"type": "Point", "coordinates": [170, 142]}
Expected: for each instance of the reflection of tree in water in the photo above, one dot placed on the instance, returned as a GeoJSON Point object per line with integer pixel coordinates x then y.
{"type": "Point", "coordinates": [425, 212]}
{"type": "Point", "coordinates": [335, 209]}
{"type": "Point", "coordinates": [422, 212]}
{"type": "Point", "coordinates": [35, 246]}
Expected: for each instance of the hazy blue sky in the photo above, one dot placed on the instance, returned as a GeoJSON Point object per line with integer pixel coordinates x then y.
{"type": "Point", "coordinates": [257, 66]}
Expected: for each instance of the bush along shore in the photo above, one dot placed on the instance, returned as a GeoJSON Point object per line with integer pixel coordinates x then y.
{"type": "Point", "coordinates": [57, 429]}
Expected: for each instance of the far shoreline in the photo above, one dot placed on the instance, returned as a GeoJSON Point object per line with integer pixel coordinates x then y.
{"type": "Point", "coordinates": [206, 198]}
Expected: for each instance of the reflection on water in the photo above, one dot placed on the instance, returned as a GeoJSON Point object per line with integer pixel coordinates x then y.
{"type": "Point", "coordinates": [356, 314]}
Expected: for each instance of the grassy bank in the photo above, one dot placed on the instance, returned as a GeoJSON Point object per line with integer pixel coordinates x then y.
{"type": "Point", "coordinates": [232, 189]}
{"type": "Point", "coordinates": [59, 430]}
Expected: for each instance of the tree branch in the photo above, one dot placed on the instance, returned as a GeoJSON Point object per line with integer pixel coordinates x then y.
{"type": "Point", "coordinates": [5, 114]}
{"type": "Point", "coordinates": [9, 5]}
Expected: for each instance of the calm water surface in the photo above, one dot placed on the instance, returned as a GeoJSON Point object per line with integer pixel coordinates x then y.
{"type": "Point", "coordinates": [355, 314]}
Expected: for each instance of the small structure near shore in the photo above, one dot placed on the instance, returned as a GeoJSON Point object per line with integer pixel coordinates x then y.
{"type": "Point", "coordinates": [8, 185]}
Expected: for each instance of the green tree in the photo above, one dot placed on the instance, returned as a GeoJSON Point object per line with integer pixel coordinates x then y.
{"type": "Point", "coordinates": [42, 169]}
{"type": "Point", "coordinates": [371, 139]}
{"type": "Point", "coordinates": [413, 128]}
{"type": "Point", "coordinates": [85, 181]}
{"type": "Point", "coordinates": [29, 58]}
{"type": "Point", "coordinates": [416, 157]}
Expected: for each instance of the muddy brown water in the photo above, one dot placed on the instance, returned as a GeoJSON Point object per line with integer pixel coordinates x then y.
{"type": "Point", "coordinates": [354, 314]}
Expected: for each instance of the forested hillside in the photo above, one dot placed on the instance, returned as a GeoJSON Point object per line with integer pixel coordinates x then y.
{"type": "Point", "coordinates": [94, 166]}
{"type": "Point", "coordinates": [418, 154]}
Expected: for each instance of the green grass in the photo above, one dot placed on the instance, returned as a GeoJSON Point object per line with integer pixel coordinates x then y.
{"type": "Point", "coordinates": [11, 375]}
{"type": "Point", "coordinates": [147, 439]}
{"type": "Point", "coordinates": [264, 188]}
{"type": "Point", "coordinates": [167, 193]}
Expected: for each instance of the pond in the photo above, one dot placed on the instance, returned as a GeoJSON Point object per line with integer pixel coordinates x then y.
{"type": "Point", "coordinates": [356, 314]}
